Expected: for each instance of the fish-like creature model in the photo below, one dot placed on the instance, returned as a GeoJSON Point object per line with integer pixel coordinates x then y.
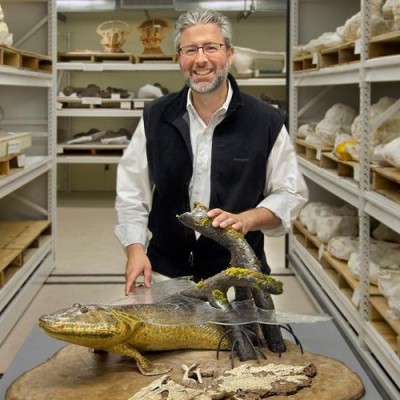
{"type": "Point", "coordinates": [192, 317]}
{"type": "Point", "coordinates": [130, 329]}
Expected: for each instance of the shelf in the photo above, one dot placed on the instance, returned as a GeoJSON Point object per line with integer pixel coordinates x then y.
{"type": "Point", "coordinates": [338, 75]}
{"type": "Point", "coordinates": [61, 159]}
{"type": "Point", "coordinates": [261, 81]}
{"type": "Point", "coordinates": [34, 167]}
{"type": "Point", "coordinates": [344, 188]}
{"type": "Point", "coordinates": [107, 66]}
{"type": "Point", "coordinates": [383, 209]}
{"type": "Point", "coordinates": [343, 303]}
{"type": "Point", "coordinates": [89, 153]}
{"type": "Point", "coordinates": [383, 69]}
{"type": "Point", "coordinates": [383, 351]}
{"type": "Point", "coordinates": [98, 112]}
{"type": "Point", "coordinates": [18, 293]}
{"type": "Point", "coordinates": [10, 76]}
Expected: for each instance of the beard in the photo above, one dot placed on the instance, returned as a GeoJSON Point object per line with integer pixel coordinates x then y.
{"type": "Point", "coordinates": [212, 86]}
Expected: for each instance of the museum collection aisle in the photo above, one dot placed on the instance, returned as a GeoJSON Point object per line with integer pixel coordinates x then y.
{"type": "Point", "coordinates": [90, 269]}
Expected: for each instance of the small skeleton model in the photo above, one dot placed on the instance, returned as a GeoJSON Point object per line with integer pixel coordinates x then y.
{"type": "Point", "coordinates": [152, 34]}
{"type": "Point", "coordinates": [113, 35]}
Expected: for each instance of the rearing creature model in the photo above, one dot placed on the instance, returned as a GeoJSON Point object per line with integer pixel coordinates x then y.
{"type": "Point", "coordinates": [184, 319]}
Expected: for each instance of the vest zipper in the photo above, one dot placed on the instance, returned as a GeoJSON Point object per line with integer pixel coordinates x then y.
{"type": "Point", "coordinates": [191, 259]}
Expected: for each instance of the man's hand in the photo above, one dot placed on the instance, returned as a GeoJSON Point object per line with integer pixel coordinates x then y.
{"type": "Point", "coordinates": [251, 220]}
{"type": "Point", "coordinates": [137, 264]}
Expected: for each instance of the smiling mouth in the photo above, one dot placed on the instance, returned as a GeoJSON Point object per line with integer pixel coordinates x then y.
{"type": "Point", "coordinates": [203, 72]}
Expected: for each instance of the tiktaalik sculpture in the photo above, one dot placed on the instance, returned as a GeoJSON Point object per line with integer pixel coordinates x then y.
{"type": "Point", "coordinates": [184, 320]}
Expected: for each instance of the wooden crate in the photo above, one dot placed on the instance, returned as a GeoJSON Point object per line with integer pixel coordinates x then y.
{"type": "Point", "coordinates": [9, 165]}
{"type": "Point", "coordinates": [149, 58]}
{"type": "Point", "coordinates": [9, 57]}
{"type": "Point", "coordinates": [387, 44]}
{"type": "Point", "coordinates": [386, 181]}
{"type": "Point", "coordinates": [35, 62]}
{"type": "Point", "coordinates": [340, 55]}
{"type": "Point", "coordinates": [94, 102]}
{"type": "Point", "coordinates": [389, 328]}
{"type": "Point", "coordinates": [350, 169]}
{"type": "Point", "coordinates": [18, 241]}
{"type": "Point", "coordinates": [311, 152]}
{"type": "Point", "coordinates": [12, 57]}
{"type": "Point", "coordinates": [306, 63]}
{"type": "Point", "coordinates": [91, 149]}
{"type": "Point", "coordinates": [96, 57]}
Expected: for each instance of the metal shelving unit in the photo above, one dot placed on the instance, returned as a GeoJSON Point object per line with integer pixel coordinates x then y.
{"type": "Point", "coordinates": [79, 69]}
{"type": "Point", "coordinates": [28, 99]}
{"type": "Point", "coordinates": [308, 93]}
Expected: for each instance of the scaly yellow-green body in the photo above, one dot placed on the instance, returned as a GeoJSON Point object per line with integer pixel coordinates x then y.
{"type": "Point", "coordinates": [122, 329]}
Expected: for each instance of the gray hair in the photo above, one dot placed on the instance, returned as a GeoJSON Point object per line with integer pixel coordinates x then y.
{"type": "Point", "coordinates": [195, 17]}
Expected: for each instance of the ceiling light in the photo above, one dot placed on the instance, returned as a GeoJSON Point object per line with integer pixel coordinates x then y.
{"type": "Point", "coordinates": [85, 5]}
{"type": "Point", "coordinates": [232, 5]}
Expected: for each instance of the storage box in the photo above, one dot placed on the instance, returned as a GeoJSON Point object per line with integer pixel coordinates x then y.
{"type": "Point", "coordinates": [14, 142]}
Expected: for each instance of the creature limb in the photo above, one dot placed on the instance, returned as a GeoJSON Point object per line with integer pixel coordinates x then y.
{"type": "Point", "coordinates": [146, 367]}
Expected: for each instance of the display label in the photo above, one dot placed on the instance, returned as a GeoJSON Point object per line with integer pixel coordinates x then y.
{"type": "Point", "coordinates": [356, 297]}
{"type": "Point", "coordinates": [14, 146]}
{"type": "Point", "coordinates": [357, 47]}
{"type": "Point", "coordinates": [21, 160]}
{"type": "Point", "coordinates": [321, 251]}
{"type": "Point", "coordinates": [91, 100]}
{"type": "Point", "coordinates": [138, 104]}
{"type": "Point", "coordinates": [126, 105]}
{"type": "Point", "coordinates": [92, 67]}
{"type": "Point", "coordinates": [356, 173]}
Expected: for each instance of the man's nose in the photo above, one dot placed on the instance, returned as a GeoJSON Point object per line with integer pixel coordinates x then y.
{"type": "Point", "coordinates": [200, 55]}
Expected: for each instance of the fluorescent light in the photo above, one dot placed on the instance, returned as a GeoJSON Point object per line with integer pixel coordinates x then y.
{"type": "Point", "coordinates": [85, 5]}
{"type": "Point", "coordinates": [232, 5]}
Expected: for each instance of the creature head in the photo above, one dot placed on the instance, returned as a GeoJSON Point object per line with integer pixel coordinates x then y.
{"type": "Point", "coordinates": [95, 326]}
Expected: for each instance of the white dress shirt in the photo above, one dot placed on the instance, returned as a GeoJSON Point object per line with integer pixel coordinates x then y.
{"type": "Point", "coordinates": [285, 190]}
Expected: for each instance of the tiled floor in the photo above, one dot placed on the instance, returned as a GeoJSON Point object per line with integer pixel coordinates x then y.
{"type": "Point", "coordinates": [90, 266]}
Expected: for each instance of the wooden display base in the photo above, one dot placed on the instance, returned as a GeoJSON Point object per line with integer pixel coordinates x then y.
{"type": "Point", "coordinates": [76, 373]}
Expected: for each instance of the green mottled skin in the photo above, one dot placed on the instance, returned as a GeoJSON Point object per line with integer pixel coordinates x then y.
{"type": "Point", "coordinates": [242, 255]}
{"type": "Point", "coordinates": [122, 329]}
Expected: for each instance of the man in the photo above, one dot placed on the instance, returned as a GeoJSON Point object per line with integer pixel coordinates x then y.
{"type": "Point", "coordinates": [211, 144]}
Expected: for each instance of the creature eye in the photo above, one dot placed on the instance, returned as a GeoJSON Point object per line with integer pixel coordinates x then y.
{"type": "Point", "coordinates": [76, 305]}
{"type": "Point", "coordinates": [84, 309]}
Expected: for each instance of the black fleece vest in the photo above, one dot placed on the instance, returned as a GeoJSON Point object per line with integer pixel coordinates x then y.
{"type": "Point", "coordinates": [241, 146]}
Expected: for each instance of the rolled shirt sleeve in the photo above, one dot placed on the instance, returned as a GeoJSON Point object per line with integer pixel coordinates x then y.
{"type": "Point", "coordinates": [285, 191]}
{"type": "Point", "coordinates": [134, 191]}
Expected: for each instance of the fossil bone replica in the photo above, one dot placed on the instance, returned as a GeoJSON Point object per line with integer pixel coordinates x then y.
{"type": "Point", "coordinates": [194, 316]}
{"type": "Point", "coordinates": [244, 59]}
{"type": "Point", "coordinates": [152, 34]}
{"type": "Point", "coordinates": [113, 35]}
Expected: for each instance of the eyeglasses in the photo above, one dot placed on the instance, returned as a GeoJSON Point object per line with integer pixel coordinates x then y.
{"type": "Point", "coordinates": [208, 48]}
